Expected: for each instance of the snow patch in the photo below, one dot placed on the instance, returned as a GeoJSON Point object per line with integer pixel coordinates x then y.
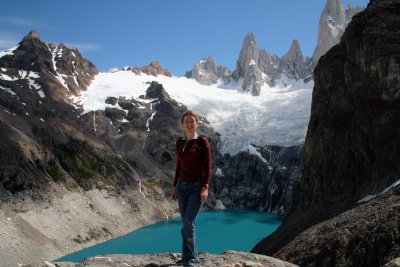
{"type": "Point", "coordinates": [58, 54]}
{"type": "Point", "coordinates": [253, 150]}
{"type": "Point", "coordinates": [219, 173]}
{"type": "Point", "coordinates": [369, 197]}
{"type": "Point", "coordinates": [8, 51]}
{"type": "Point", "coordinates": [149, 120]}
{"type": "Point", "coordinates": [8, 90]}
{"type": "Point", "coordinates": [279, 116]}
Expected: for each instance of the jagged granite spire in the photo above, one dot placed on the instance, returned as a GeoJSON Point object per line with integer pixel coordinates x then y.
{"type": "Point", "coordinates": [247, 66]}
{"type": "Point", "coordinates": [332, 23]}
{"type": "Point", "coordinates": [293, 64]}
{"type": "Point", "coordinates": [208, 72]}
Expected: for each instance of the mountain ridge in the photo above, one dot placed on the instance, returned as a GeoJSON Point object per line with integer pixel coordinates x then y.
{"type": "Point", "coordinates": [256, 67]}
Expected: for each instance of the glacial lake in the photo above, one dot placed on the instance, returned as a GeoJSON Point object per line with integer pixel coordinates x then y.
{"type": "Point", "coordinates": [217, 231]}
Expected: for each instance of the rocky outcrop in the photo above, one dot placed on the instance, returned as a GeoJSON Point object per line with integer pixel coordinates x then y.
{"type": "Point", "coordinates": [265, 178]}
{"type": "Point", "coordinates": [247, 66]}
{"type": "Point", "coordinates": [332, 23]}
{"type": "Point", "coordinates": [207, 72]}
{"type": "Point", "coordinates": [364, 236]}
{"type": "Point", "coordinates": [352, 144]}
{"type": "Point", "coordinates": [270, 65]}
{"type": "Point", "coordinates": [63, 71]}
{"type": "Point", "coordinates": [257, 67]}
{"type": "Point", "coordinates": [293, 65]}
{"type": "Point", "coordinates": [154, 69]}
{"type": "Point", "coordinates": [228, 259]}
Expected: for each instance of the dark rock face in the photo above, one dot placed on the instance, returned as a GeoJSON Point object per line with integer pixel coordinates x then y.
{"type": "Point", "coordinates": [353, 137]}
{"type": "Point", "coordinates": [364, 236]}
{"type": "Point", "coordinates": [352, 144]}
{"type": "Point", "coordinates": [144, 132]}
{"type": "Point", "coordinates": [37, 145]}
{"type": "Point", "coordinates": [266, 181]}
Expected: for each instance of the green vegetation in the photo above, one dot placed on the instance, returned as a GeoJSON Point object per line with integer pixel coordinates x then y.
{"type": "Point", "coordinates": [75, 157]}
{"type": "Point", "coordinates": [54, 170]}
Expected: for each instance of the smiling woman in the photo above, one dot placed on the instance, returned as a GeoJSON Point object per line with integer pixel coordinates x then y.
{"type": "Point", "coordinates": [220, 230]}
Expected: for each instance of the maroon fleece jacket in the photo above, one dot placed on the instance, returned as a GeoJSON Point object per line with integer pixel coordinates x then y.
{"type": "Point", "coordinates": [191, 164]}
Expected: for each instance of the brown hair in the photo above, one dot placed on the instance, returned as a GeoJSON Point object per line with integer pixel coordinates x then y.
{"type": "Point", "coordinates": [190, 113]}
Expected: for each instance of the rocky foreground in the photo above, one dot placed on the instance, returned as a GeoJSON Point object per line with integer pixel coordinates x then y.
{"type": "Point", "coordinates": [227, 259]}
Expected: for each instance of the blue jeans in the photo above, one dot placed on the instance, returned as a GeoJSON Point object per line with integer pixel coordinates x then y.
{"type": "Point", "coordinates": [189, 206]}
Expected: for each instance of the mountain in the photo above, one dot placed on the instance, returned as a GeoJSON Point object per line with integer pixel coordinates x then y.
{"type": "Point", "coordinates": [85, 152]}
{"type": "Point", "coordinates": [69, 178]}
{"type": "Point", "coordinates": [247, 66]}
{"type": "Point", "coordinates": [256, 67]}
{"type": "Point", "coordinates": [262, 178]}
{"type": "Point", "coordinates": [207, 72]}
{"type": "Point", "coordinates": [351, 152]}
{"type": "Point", "coordinates": [293, 64]}
{"type": "Point", "coordinates": [154, 68]}
{"type": "Point", "coordinates": [332, 24]}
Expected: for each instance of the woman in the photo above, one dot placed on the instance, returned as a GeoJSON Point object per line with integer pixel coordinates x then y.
{"type": "Point", "coordinates": [192, 177]}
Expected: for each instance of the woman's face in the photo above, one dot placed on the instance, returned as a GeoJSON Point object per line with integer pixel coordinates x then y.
{"type": "Point", "coordinates": [189, 124]}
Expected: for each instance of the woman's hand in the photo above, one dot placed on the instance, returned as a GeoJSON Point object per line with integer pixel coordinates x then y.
{"type": "Point", "coordinates": [173, 194]}
{"type": "Point", "coordinates": [204, 194]}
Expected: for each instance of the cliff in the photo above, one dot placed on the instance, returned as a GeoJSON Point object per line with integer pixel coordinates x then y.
{"type": "Point", "coordinates": [352, 144]}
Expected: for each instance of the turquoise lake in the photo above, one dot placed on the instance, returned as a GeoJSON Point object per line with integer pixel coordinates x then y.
{"type": "Point", "coordinates": [217, 231]}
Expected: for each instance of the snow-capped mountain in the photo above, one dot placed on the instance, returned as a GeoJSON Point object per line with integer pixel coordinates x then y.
{"type": "Point", "coordinates": [256, 67]}
{"type": "Point", "coordinates": [279, 116]}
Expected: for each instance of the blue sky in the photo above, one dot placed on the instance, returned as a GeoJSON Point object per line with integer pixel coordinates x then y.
{"type": "Point", "coordinates": [177, 33]}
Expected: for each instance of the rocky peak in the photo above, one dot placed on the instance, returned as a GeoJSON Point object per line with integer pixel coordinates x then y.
{"type": "Point", "coordinates": [335, 9]}
{"type": "Point", "coordinates": [31, 35]}
{"type": "Point", "coordinates": [333, 21]}
{"type": "Point", "coordinates": [154, 69]}
{"type": "Point", "coordinates": [294, 50]}
{"type": "Point", "coordinates": [208, 72]}
{"type": "Point", "coordinates": [43, 76]}
{"type": "Point", "coordinates": [247, 66]}
{"type": "Point", "coordinates": [293, 64]}
{"type": "Point", "coordinates": [156, 90]}
{"type": "Point", "coordinates": [30, 55]}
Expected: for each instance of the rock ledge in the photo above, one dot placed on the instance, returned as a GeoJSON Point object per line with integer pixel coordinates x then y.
{"type": "Point", "coordinates": [228, 259]}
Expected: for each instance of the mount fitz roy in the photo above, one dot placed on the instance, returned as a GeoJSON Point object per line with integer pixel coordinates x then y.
{"type": "Point", "coordinates": [256, 67]}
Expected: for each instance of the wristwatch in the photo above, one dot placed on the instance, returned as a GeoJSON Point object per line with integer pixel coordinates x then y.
{"type": "Point", "coordinates": [205, 185]}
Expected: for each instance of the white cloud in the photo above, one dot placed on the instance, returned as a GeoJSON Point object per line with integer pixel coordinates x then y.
{"type": "Point", "coordinates": [85, 47]}
{"type": "Point", "coordinates": [8, 40]}
{"type": "Point", "coordinates": [18, 21]}
{"type": "Point", "coordinates": [26, 23]}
